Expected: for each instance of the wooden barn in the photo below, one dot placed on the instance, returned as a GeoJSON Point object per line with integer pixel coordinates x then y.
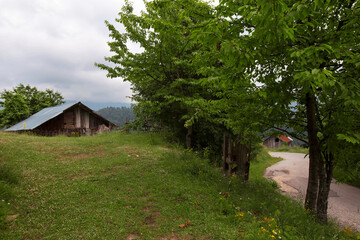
{"type": "Point", "coordinates": [73, 119]}
{"type": "Point", "coordinates": [278, 141]}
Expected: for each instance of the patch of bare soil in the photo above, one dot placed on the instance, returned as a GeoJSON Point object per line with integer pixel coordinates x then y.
{"type": "Point", "coordinates": [11, 218]}
{"type": "Point", "coordinates": [151, 220]}
{"type": "Point", "coordinates": [115, 169]}
{"type": "Point", "coordinates": [89, 155]}
{"type": "Point", "coordinates": [174, 236]}
{"type": "Point", "coordinates": [130, 151]}
{"type": "Point", "coordinates": [145, 196]}
{"type": "Point", "coordinates": [146, 210]}
{"type": "Point", "coordinates": [164, 148]}
{"type": "Point", "coordinates": [76, 176]}
{"type": "Point", "coordinates": [150, 202]}
{"type": "Point", "coordinates": [178, 199]}
{"type": "Point", "coordinates": [79, 156]}
{"type": "Point", "coordinates": [132, 237]}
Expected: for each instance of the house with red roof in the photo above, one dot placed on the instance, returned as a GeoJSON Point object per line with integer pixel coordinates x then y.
{"type": "Point", "coordinates": [278, 141]}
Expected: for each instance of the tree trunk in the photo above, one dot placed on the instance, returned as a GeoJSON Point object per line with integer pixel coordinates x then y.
{"type": "Point", "coordinates": [146, 124]}
{"type": "Point", "coordinates": [236, 159]}
{"type": "Point", "coordinates": [325, 177]}
{"type": "Point", "coordinates": [242, 160]}
{"type": "Point", "coordinates": [230, 156]}
{"type": "Point", "coordinates": [314, 153]}
{"type": "Point", "coordinates": [188, 137]}
{"type": "Point", "coordinates": [227, 157]}
{"type": "Point", "coordinates": [225, 153]}
{"type": "Point", "coordinates": [247, 164]}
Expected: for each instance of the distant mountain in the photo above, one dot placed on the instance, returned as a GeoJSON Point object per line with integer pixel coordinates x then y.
{"type": "Point", "coordinates": [99, 105]}
{"type": "Point", "coordinates": [117, 115]}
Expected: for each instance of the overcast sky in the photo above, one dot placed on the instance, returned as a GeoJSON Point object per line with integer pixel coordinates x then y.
{"type": "Point", "coordinates": [54, 44]}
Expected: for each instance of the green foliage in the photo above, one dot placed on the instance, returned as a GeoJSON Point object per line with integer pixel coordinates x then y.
{"type": "Point", "coordinates": [286, 51]}
{"type": "Point", "coordinates": [117, 115]}
{"type": "Point", "coordinates": [291, 48]}
{"type": "Point", "coordinates": [24, 101]}
{"type": "Point", "coordinates": [347, 167]}
{"type": "Point", "coordinates": [164, 75]}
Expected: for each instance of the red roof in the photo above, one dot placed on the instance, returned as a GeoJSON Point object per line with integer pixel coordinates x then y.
{"type": "Point", "coordinates": [285, 138]}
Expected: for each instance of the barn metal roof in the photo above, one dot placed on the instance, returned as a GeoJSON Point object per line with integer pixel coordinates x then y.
{"type": "Point", "coordinates": [40, 117]}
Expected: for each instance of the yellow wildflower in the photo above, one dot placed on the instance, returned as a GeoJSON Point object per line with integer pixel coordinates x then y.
{"type": "Point", "coordinates": [240, 214]}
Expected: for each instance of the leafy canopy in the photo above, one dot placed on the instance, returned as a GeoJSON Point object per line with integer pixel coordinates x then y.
{"type": "Point", "coordinates": [304, 56]}
{"type": "Point", "coordinates": [164, 77]}
{"type": "Point", "coordinates": [24, 101]}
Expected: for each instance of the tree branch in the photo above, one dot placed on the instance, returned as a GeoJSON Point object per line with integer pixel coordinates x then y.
{"type": "Point", "coordinates": [291, 134]}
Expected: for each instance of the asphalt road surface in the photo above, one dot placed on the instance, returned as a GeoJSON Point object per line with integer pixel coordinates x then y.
{"type": "Point", "coordinates": [292, 173]}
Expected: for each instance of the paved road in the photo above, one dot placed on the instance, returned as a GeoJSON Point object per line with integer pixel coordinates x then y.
{"type": "Point", "coordinates": [291, 174]}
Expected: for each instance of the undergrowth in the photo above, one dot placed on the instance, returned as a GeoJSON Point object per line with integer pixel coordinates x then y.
{"type": "Point", "coordinates": [347, 175]}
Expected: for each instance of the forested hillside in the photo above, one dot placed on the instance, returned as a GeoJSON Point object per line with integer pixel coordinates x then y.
{"type": "Point", "coordinates": [117, 115]}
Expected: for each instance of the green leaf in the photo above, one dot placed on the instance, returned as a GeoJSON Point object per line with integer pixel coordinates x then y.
{"type": "Point", "coordinates": [350, 139]}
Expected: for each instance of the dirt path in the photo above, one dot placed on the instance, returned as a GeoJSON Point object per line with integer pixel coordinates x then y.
{"type": "Point", "coordinates": [292, 174]}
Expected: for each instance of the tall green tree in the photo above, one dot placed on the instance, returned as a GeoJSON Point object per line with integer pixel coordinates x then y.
{"type": "Point", "coordinates": [163, 76]}
{"type": "Point", "coordinates": [24, 101]}
{"type": "Point", "coordinates": [304, 57]}
{"type": "Point", "coordinates": [177, 78]}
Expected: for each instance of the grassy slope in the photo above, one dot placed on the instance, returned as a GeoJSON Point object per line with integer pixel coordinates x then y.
{"type": "Point", "coordinates": [117, 186]}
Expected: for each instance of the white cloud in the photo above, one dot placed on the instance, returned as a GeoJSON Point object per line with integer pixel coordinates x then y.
{"type": "Point", "coordinates": [54, 44]}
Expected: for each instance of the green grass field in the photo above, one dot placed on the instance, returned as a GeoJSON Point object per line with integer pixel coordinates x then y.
{"type": "Point", "coordinates": [135, 186]}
